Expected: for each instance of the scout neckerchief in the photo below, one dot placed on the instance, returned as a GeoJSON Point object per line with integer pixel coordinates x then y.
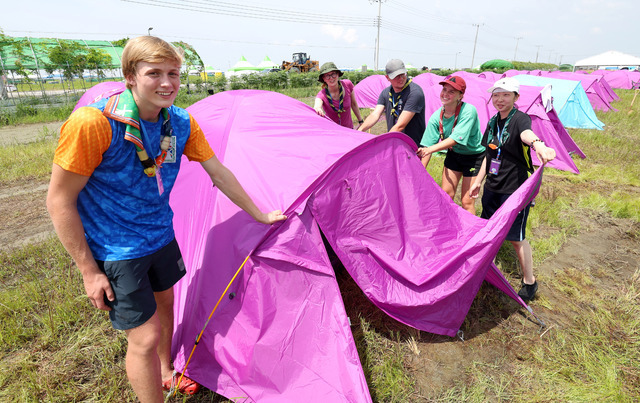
{"type": "Point", "coordinates": [395, 102]}
{"type": "Point", "coordinates": [123, 108]}
{"type": "Point", "coordinates": [502, 135]}
{"type": "Point", "coordinates": [455, 121]}
{"type": "Point", "coordinates": [341, 108]}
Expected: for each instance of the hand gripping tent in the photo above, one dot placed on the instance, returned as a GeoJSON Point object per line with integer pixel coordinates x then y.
{"type": "Point", "coordinates": [264, 299]}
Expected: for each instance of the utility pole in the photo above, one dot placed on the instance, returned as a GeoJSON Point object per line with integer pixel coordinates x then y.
{"type": "Point", "coordinates": [538, 51]}
{"type": "Point", "coordinates": [378, 21]}
{"type": "Point", "coordinates": [475, 43]}
{"type": "Point", "coordinates": [149, 30]}
{"type": "Point", "coordinates": [516, 51]}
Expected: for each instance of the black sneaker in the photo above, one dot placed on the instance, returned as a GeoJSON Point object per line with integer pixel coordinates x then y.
{"type": "Point", "coordinates": [528, 291]}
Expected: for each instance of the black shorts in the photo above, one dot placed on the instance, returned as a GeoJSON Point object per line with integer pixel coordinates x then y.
{"type": "Point", "coordinates": [469, 164]}
{"type": "Point", "coordinates": [491, 201]}
{"type": "Point", "coordinates": [135, 280]}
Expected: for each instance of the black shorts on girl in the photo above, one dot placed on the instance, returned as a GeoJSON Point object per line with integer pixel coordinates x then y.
{"type": "Point", "coordinates": [135, 280]}
{"type": "Point", "coordinates": [492, 201]}
{"type": "Point", "coordinates": [468, 164]}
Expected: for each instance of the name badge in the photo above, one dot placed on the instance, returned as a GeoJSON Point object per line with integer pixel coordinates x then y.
{"type": "Point", "coordinates": [494, 167]}
{"type": "Point", "coordinates": [171, 152]}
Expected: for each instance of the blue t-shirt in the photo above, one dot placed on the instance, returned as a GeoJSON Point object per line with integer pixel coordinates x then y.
{"type": "Point", "coordinates": [122, 211]}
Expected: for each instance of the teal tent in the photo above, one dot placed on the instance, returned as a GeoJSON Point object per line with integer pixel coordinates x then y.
{"type": "Point", "coordinates": [569, 100]}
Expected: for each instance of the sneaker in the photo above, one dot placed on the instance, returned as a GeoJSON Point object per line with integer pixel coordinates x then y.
{"type": "Point", "coordinates": [528, 291]}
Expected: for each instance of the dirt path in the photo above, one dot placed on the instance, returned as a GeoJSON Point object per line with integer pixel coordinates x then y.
{"type": "Point", "coordinates": [27, 133]}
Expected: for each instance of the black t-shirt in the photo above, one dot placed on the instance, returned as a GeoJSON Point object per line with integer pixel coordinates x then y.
{"type": "Point", "coordinates": [411, 99]}
{"type": "Point", "coordinates": [515, 158]}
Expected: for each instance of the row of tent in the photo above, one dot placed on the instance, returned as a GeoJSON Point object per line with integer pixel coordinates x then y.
{"type": "Point", "coordinates": [263, 301]}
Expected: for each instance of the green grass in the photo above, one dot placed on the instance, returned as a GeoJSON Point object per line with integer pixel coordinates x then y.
{"type": "Point", "coordinates": [28, 161]}
{"type": "Point", "coordinates": [55, 347]}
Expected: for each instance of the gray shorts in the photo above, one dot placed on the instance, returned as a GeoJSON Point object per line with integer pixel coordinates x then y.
{"type": "Point", "coordinates": [135, 280]}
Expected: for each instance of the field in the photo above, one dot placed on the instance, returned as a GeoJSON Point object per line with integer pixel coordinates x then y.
{"type": "Point", "coordinates": [585, 232]}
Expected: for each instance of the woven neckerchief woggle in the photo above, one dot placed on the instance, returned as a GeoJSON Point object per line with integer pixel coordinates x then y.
{"type": "Point", "coordinates": [328, 93]}
{"type": "Point", "coordinates": [394, 104]}
{"type": "Point", "coordinates": [123, 108]}
{"type": "Point", "coordinates": [504, 135]}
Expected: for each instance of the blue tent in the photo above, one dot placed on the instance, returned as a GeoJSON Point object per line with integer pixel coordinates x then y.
{"type": "Point", "coordinates": [569, 100]}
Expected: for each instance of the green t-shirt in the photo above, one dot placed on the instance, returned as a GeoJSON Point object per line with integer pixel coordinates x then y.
{"type": "Point", "coordinates": [466, 134]}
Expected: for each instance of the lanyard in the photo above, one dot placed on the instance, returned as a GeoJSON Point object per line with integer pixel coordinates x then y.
{"type": "Point", "coordinates": [455, 121]}
{"type": "Point", "coordinates": [341, 103]}
{"type": "Point", "coordinates": [165, 139]}
{"type": "Point", "coordinates": [502, 135]}
{"type": "Point", "coordinates": [394, 102]}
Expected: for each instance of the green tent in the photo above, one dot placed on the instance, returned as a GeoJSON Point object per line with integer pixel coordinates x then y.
{"type": "Point", "coordinates": [497, 64]}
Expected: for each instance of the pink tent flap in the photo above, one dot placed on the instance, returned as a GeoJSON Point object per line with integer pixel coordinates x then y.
{"type": "Point", "coordinates": [280, 332]}
{"type": "Point", "coordinates": [368, 90]}
{"type": "Point", "coordinates": [100, 91]}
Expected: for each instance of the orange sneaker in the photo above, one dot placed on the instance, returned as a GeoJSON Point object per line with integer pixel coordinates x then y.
{"type": "Point", "coordinates": [187, 385]}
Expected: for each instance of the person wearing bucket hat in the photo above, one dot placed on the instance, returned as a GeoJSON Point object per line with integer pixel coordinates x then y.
{"type": "Point", "coordinates": [402, 103]}
{"type": "Point", "coordinates": [335, 100]}
{"type": "Point", "coordinates": [455, 127]}
{"type": "Point", "coordinates": [508, 140]}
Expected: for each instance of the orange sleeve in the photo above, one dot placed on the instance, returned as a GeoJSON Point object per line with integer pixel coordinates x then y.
{"type": "Point", "coordinates": [84, 137]}
{"type": "Point", "coordinates": [197, 147]}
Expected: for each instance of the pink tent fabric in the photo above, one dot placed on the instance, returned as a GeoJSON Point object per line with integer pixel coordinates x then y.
{"type": "Point", "coordinates": [368, 90]}
{"type": "Point", "coordinates": [280, 332]}
{"type": "Point", "coordinates": [597, 94]}
{"type": "Point", "coordinates": [621, 79]}
{"type": "Point", "coordinates": [100, 91]}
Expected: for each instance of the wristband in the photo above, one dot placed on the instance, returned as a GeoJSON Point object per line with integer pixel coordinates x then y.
{"type": "Point", "coordinates": [361, 121]}
{"type": "Point", "coordinates": [534, 141]}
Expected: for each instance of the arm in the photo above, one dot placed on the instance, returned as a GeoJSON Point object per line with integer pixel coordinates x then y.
{"type": "Point", "coordinates": [403, 120]}
{"type": "Point", "coordinates": [474, 190]}
{"type": "Point", "coordinates": [544, 153]}
{"type": "Point", "coordinates": [226, 181]}
{"type": "Point", "coordinates": [355, 108]}
{"type": "Point", "coordinates": [425, 152]}
{"type": "Point", "coordinates": [372, 119]}
{"type": "Point", "coordinates": [64, 188]}
{"type": "Point", "coordinates": [317, 105]}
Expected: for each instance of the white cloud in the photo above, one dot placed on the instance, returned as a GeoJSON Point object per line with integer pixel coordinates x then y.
{"type": "Point", "coordinates": [339, 33]}
{"type": "Point", "coordinates": [596, 30]}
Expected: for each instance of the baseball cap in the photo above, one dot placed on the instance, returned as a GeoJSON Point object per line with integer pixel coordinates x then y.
{"type": "Point", "coordinates": [457, 83]}
{"type": "Point", "coordinates": [394, 68]}
{"type": "Point", "coordinates": [507, 84]}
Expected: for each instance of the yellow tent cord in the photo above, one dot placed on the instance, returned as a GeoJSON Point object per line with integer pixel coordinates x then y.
{"type": "Point", "coordinates": [172, 392]}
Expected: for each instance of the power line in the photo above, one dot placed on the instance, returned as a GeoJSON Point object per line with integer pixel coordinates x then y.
{"type": "Point", "coordinates": [262, 13]}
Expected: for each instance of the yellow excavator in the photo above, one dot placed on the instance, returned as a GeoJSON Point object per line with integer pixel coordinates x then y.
{"type": "Point", "coordinates": [300, 63]}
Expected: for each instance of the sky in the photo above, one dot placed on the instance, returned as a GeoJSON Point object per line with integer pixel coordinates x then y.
{"type": "Point", "coordinates": [436, 34]}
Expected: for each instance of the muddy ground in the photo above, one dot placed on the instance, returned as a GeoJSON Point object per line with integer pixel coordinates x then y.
{"type": "Point", "coordinates": [608, 247]}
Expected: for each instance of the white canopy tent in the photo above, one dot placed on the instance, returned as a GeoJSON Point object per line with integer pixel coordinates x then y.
{"type": "Point", "coordinates": [611, 60]}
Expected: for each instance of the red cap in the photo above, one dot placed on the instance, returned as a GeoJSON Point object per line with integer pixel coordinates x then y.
{"type": "Point", "coordinates": [456, 82]}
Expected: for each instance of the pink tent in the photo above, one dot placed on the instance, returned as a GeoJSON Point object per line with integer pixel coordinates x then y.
{"type": "Point", "coordinates": [368, 90]}
{"type": "Point", "coordinates": [621, 79]}
{"type": "Point", "coordinates": [280, 332]}
{"type": "Point", "coordinates": [597, 94]}
{"type": "Point", "coordinates": [100, 91]}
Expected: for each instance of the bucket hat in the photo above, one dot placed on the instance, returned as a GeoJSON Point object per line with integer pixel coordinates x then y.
{"type": "Point", "coordinates": [328, 67]}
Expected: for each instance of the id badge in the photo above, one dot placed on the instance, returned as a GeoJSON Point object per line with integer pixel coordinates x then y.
{"type": "Point", "coordinates": [171, 152]}
{"type": "Point", "coordinates": [160, 184]}
{"type": "Point", "coordinates": [494, 167]}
